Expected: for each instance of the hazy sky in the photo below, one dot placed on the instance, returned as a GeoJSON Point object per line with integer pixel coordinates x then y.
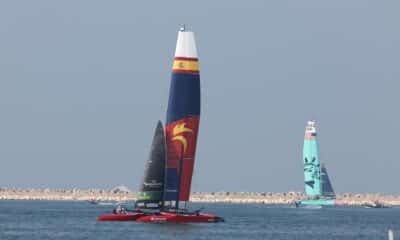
{"type": "Point", "coordinates": [83, 83]}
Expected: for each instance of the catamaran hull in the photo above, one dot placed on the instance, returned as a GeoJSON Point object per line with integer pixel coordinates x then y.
{"type": "Point", "coordinates": [120, 217]}
{"type": "Point", "coordinates": [166, 217]}
{"type": "Point", "coordinates": [319, 202]}
{"type": "Point", "coordinates": [162, 217]}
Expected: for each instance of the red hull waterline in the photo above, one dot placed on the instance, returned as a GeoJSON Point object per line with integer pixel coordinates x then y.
{"type": "Point", "coordinates": [166, 217]}
{"type": "Point", "coordinates": [120, 217]}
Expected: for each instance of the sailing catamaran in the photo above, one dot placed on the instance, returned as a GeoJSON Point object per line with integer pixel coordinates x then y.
{"type": "Point", "coordinates": [183, 116]}
{"type": "Point", "coordinates": [166, 186]}
{"type": "Point", "coordinates": [317, 184]}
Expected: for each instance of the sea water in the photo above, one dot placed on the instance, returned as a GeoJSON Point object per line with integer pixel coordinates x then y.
{"type": "Point", "coordinates": [36, 220]}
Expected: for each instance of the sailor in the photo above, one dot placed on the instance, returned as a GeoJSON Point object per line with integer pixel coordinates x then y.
{"type": "Point", "coordinates": [119, 209]}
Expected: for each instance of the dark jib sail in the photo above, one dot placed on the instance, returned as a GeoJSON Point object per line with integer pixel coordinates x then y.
{"type": "Point", "coordinates": [152, 188]}
{"type": "Point", "coordinates": [327, 189]}
{"type": "Point", "coordinates": [183, 117]}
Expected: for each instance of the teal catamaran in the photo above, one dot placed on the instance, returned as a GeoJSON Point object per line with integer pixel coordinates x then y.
{"type": "Point", "coordinates": [318, 187]}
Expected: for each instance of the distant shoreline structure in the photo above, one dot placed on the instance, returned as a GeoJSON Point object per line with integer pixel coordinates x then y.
{"type": "Point", "coordinates": [123, 194]}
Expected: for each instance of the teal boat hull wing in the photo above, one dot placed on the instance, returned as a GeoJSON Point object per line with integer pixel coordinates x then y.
{"type": "Point", "coordinates": [318, 202]}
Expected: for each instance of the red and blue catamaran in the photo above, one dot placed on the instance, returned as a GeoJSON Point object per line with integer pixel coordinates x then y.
{"type": "Point", "coordinates": [165, 190]}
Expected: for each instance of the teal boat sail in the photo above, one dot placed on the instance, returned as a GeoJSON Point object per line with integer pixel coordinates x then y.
{"type": "Point", "coordinates": [316, 180]}
{"type": "Point", "coordinates": [312, 172]}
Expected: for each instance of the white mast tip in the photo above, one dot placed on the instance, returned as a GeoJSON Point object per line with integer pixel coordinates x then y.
{"type": "Point", "coordinates": [185, 45]}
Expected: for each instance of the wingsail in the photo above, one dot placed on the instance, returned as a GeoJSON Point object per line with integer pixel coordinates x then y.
{"type": "Point", "coordinates": [183, 116]}
{"type": "Point", "coordinates": [312, 171]}
{"type": "Point", "coordinates": [318, 187]}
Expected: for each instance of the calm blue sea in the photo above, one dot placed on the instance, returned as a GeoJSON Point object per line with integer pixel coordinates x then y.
{"type": "Point", "coordinates": [77, 220]}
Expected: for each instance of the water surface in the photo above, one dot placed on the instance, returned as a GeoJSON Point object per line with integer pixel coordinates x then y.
{"type": "Point", "coordinates": [36, 220]}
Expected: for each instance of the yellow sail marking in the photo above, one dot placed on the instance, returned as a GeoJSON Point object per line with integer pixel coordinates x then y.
{"type": "Point", "coordinates": [177, 132]}
{"type": "Point", "coordinates": [185, 65]}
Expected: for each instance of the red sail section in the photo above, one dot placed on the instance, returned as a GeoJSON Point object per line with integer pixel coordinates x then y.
{"type": "Point", "coordinates": [181, 138]}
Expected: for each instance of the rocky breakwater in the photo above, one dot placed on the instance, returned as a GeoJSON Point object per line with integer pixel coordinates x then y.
{"type": "Point", "coordinates": [122, 194]}
{"type": "Point", "coordinates": [349, 199]}
{"type": "Point", "coordinates": [74, 194]}
{"type": "Point", "coordinates": [247, 197]}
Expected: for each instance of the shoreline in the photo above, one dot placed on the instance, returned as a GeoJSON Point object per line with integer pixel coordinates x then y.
{"type": "Point", "coordinates": [349, 199]}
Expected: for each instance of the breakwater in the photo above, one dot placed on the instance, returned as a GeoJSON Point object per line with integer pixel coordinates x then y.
{"type": "Point", "coordinates": [206, 197]}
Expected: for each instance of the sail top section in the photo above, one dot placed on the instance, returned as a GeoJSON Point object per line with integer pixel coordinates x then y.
{"type": "Point", "coordinates": [186, 45]}
{"type": "Point", "coordinates": [311, 131]}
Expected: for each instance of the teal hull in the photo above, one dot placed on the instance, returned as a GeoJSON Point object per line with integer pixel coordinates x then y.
{"type": "Point", "coordinates": [318, 202]}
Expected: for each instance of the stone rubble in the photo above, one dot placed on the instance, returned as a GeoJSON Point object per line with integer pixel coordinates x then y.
{"type": "Point", "coordinates": [201, 197]}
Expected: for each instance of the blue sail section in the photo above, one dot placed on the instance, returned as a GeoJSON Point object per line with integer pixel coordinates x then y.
{"type": "Point", "coordinates": [184, 99]}
{"type": "Point", "coordinates": [172, 185]}
{"type": "Point", "coordinates": [327, 189]}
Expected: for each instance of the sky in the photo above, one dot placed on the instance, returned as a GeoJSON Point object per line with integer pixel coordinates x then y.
{"type": "Point", "coordinates": [83, 83]}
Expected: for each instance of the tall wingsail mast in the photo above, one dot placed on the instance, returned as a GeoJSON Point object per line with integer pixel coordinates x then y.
{"type": "Point", "coordinates": [183, 115]}
{"type": "Point", "coordinates": [311, 161]}
{"type": "Point", "coordinates": [327, 189]}
{"type": "Point", "coordinates": [152, 187]}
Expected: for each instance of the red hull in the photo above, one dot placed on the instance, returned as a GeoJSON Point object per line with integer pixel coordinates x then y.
{"type": "Point", "coordinates": [120, 217]}
{"type": "Point", "coordinates": [181, 218]}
